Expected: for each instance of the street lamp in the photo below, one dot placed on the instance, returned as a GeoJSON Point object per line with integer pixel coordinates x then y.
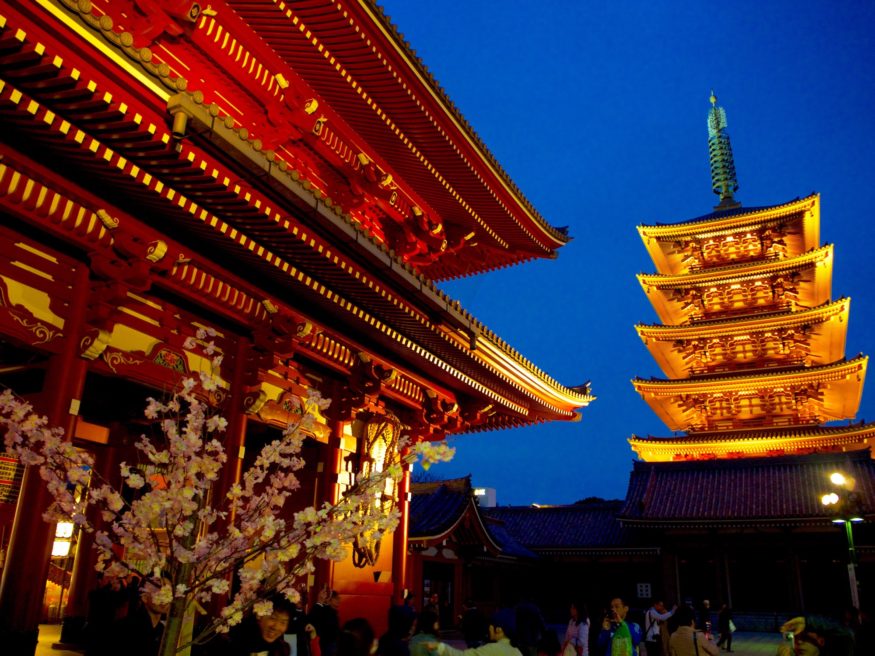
{"type": "Point", "coordinates": [845, 506]}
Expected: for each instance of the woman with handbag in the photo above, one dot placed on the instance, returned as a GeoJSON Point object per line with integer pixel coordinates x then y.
{"type": "Point", "coordinates": [577, 634]}
{"type": "Point", "coordinates": [726, 626]}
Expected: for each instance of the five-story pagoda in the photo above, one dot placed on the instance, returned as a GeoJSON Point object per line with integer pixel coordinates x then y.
{"type": "Point", "coordinates": [752, 346]}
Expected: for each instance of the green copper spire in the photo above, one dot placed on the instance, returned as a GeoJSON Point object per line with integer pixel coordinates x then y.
{"type": "Point", "coordinates": [723, 180]}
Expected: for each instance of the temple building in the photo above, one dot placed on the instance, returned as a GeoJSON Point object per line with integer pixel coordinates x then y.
{"type": "Point", "coordinates": [288, 176]}
{"type": "Point", "coordinates": [752, 346]}
{"type": "Point", "coordinates": [751, 342]}
{"type": "Point", "coordinates": [731, 508]}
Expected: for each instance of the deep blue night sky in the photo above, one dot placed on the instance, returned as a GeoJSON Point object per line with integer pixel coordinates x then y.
{"type": "Point", "coordinates": [598, 113]}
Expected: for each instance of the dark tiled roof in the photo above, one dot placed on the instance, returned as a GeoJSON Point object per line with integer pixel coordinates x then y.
{"type": "Point", "coordinates": [775, 490]}
{"type": "Point", "coordinates": [735, 211]}
{"type": "Point", "coordinates": [580, 526]}
{"type": "Point", "coordinates": [436, 507]}
{"type": "Point", "coordinates": [503, 538]}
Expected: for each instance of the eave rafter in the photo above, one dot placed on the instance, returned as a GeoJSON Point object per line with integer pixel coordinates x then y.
{"type": "Point", "coordinates": [778, 232]}
{"type": "Point", "coordinates": [369, 75]}
{"type": "Point", "coordinates": [796, 396]}
{"type": "Point", "coordinates": [147, 186]}
{"type": "Point", "coordinates": [718, 224]}
{"type": "Point", "coordinates": [799, 282]}
{"type": "Point", "coordinates": [809, 337]}
{"type": "Point", "coordinates": [737, 444]}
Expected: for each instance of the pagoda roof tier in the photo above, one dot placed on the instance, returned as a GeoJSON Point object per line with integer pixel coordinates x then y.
{"type": "Point", "coordinates": [811, 337]}
{"type": "Point", "coordinates": [731, 444]}
{"type": "Point", "coordinates": [798, 396]}
{"type": "Point", "coordinates": [803, 281]}
{"type": "Point", "coordinates": [791, 229]}
{"type": "Point", "coordinates": [353, 57]}
{"type": "Point", "coordinates": [752, 492]}
{"type": "Point", "coordinates": [118, 154]}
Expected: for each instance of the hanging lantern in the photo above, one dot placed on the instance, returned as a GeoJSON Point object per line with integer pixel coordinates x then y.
{"type": "Point", "coordinates": [379, 451]}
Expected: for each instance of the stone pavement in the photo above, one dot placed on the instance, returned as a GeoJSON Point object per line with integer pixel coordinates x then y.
{"type": "Point", "coordinates": [743, 643]}
{"type": "Point", "coordinates": [754, 644]}
{"type": "Point", "coordinates": [48, 636]}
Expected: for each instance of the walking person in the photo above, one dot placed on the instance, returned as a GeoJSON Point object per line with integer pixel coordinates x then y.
{"type": "Point", "coordinates": [725, 626]}
{"type": "Point", "coordinates": [577, 633]}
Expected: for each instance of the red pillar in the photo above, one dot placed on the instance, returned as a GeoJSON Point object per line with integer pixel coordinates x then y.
{"type": "Point", "coordinates": [329, 493]}
{"type": "Point", "coordinates": [399, 546]}
{"type": "Point", "coordinates": [30, 546]}
{"type": "Point", "coordinates": [235, 439]}
{"type": "Point", "coordinates": [83, 578]}
{"type": "Point", "coordinates": [235, 447]}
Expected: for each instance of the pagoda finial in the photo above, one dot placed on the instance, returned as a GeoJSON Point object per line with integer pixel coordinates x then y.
{"type": "Point", "coordinates": [723, 180]}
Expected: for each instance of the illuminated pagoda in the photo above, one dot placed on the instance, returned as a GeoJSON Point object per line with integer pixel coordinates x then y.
{"type": "Point", "coordinates": [751, 343]}
{"type": "Point", "coordinates": [286, 175]}
{"type": "Point", "coordinates": [753, 349]}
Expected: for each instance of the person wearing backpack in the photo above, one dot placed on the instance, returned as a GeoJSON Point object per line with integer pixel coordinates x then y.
{"type": "Point", "coordinates": [653, 619]}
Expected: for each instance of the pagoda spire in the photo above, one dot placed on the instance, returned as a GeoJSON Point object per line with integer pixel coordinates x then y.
{"type": "Point", "coordinates": [723, 180]}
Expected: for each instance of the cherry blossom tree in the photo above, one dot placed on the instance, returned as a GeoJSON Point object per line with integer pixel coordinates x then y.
{"type": "Point", "coordinates": [186, 544]}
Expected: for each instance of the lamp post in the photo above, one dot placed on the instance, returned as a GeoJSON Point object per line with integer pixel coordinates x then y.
{"type": "Point", "coordinates": [845, 504]}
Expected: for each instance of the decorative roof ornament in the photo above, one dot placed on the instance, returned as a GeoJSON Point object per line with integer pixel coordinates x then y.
{"type": "Point", "coordinates": [723, 180]}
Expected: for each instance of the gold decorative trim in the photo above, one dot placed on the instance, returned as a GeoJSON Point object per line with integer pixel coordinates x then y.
{"type": "Point", "coordinates": [94, 344]}
{"type": "Point", "coordinates": [156, 251]}
{"type": "Point", "coordinates": [42, 332]}
{"type": "Point", "coordinates": [117, 358]}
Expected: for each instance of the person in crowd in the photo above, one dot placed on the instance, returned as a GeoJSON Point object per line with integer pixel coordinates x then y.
{"type": "Point", "coordinates": [474, 625]}
{"type": "Point", "coordinates": [725, 626]}
{"type": "Point", "coordinates": [408, 606]}
{"type": "Point", "coordinates": [654, 619]}
{"type": "Point", "coordinates": [395, 641]}
{"type": "Point", "coordinates": [530, 627]}
{"type": "Point", "coordinates": [704, 622]}
{"type": "Point", "coordinates": [433, 603]}
{"type": "Point", "coordinates": [686, 641]}
{"type": "Point", "coordinates": [265, 634]}
{"type": "Point", "coordinates": [502, 626]}
{"type": "Point", "coordinates": [617, 635]}
{"type": "Point", "coordinates": [427, 628]}
{"type": "Point", "coordinates": [325, 619]}
{"type": "Point", "coordinates": [813, 635]}
{"type": "Point", "coordinates": [577, 633]}
{"type": "Point", "coordinates": [303, 632]}
{"type": "Point", "coordinates": [356, 638]}
{"type": "Point", "coordinates": [140, 632]}
{"type": "Point", "coordinates": [104, 604]}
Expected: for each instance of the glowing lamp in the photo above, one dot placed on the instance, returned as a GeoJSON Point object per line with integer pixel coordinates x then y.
{"type": "Point", "coordinates": [829, 499]}
{"type": "Point", "coordinates": [64, 530]}
{"type": "Point", "coordinates": [63, 535]}
{"type": "Point", "coordinates": [60, 548]}
{"type": "Point", "coordinates": [837, 478]}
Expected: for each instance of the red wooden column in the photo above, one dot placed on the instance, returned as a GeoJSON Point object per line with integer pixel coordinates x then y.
{"type": "Point", "coordinates": [328, 489]}
{"type": "Point", "coordinates": [30, 546]}
{"type": "Point", "coordinates": [235, 438]}
{"type": "Point", "coordinates": [83, 576]}
{"type": "Point", "coordinates": [399, 546]}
